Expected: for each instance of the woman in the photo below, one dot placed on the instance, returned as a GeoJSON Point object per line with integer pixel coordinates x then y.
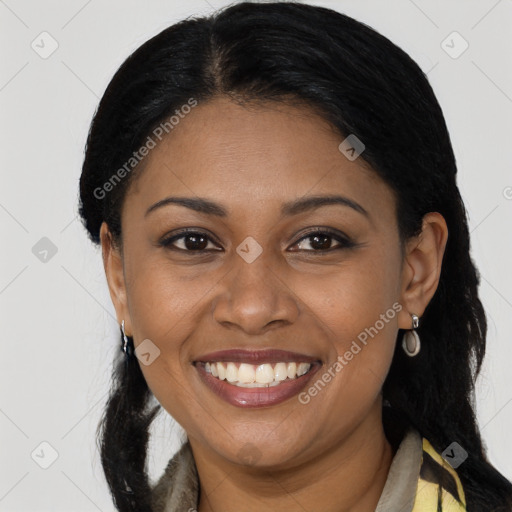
{"type": "Point", "coordinates": [274, 190]}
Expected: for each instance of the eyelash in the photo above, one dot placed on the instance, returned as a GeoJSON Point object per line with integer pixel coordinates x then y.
{"type": "Point", "coordinates": [345, 242]}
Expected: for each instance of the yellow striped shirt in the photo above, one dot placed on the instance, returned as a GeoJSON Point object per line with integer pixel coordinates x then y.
{"type": "Point", "coordinates": [439, 487]}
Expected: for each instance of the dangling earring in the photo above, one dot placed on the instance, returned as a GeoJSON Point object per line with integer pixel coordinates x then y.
{"type": "Point", "coordinates": [126, 346]}
{"type": "Point", "coordinates": [411, 341]}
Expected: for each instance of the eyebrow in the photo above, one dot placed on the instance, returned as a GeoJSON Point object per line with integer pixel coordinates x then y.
{"type": "Point", "coordinates": [290, 208]}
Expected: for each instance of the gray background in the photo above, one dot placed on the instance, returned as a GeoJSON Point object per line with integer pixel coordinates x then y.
{"type": "Point", "coordinates": [59, 332]}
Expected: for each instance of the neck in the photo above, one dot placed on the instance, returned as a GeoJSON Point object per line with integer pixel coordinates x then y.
{"type": "Point", "coordinates": [347, 477]}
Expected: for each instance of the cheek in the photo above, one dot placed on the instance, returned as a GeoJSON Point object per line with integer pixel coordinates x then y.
{"type": "Point", "coordinates": [361, 330]}
{"type": "Point", "coordinates": [353, 297]}
{"type": "Point", "coordinates": [163, 305]}
{"type": "Point", "coordinates": [357, 308]}
{"type": "Point", "coordinates": [163, 309]}
{"type": "Point", "coordinates": [170, 390]}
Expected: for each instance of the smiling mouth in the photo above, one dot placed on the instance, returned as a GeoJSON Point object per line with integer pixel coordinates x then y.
{"type": "Point", "coordinates": [256, 377]}
{"type": "Point", "coordinates": [263, 375]}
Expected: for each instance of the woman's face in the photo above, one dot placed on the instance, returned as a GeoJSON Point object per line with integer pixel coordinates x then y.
{"type": "Point", "coordinates": [252, 279]}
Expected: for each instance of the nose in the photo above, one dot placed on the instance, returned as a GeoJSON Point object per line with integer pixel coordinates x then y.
{"type": "Point", "coordinates": [253, 298]}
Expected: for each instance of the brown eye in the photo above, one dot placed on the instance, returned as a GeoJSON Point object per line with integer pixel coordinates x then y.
{"type": "Point", "coordinates": [190, 241]}
{"type": "Point", "coordinates": [195, 242]}
{"type": "Point", "coordinates": [321, 240]}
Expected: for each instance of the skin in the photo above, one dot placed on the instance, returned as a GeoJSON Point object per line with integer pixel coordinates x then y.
{"type": "Point", "coordinates": [330, 454]}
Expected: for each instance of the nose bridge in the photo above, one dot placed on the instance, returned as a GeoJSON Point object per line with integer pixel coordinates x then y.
{"type": "Point", "coordinates": [253, 296]}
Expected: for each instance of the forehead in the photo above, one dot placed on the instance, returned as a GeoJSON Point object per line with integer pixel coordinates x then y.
{"type": "Point", "coordinates": [253, 157]}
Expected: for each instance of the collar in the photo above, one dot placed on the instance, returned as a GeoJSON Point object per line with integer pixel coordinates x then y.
{"type": "Point", "coordinates": [419, 480]}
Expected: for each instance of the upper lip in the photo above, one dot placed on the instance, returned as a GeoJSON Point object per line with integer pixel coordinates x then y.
{"type": "Point", "coordinates": [256, 356]}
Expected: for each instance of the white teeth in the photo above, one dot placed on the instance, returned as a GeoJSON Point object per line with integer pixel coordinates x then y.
{"type": "Point", "coordinates": [221, 371]}
{"type": "Point", "coordinates": [246, 373]}
{"type": "Point", "coordinates": [302, 368]}
{"type": "Point", "coordinates": [280, 371]}
{"type": "Point", "coordinates": [256, 384]}
{"type": "Point", "coordinates": [264, 374]}
{"type": "Point", "coordinates": [292, 370]}
{"type": "Point", "coordinates": [249, 375]}
{"type": "Point", "coordinates": [231, 372]}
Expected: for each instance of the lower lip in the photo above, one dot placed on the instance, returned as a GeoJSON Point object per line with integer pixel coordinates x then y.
{"type": "Point", "coordinates": [256, 397]}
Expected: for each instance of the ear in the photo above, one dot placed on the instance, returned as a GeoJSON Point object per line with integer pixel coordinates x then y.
{"type": "Point", "coordinates": [422, 268]}
{"type": "Point", "coordinates": [113, 264]}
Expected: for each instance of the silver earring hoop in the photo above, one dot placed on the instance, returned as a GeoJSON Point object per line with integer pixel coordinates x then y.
{"type": "Point", "coordinates": [411, 340]}
{"type": "Point", "coordinates": [126, 341]}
